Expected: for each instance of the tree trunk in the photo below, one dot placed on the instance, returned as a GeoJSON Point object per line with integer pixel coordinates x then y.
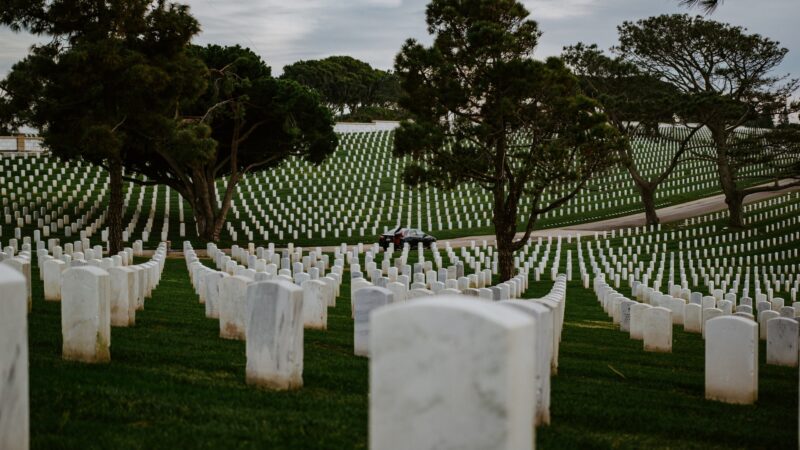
{"type": "Point", "coordinates": [114, 213]}
{"type": "Point", "coordinates": [727, 180]}
{"type": "Point", "coordinates": [205, 229]}
{"type": "Point", "coordinates": [210, 220]}
{"type": "Point", "coordinates": [206, 219]}
{"type": "Point", "coordinates": [505, 230]}
{"type": "Point", "coordinates": [735, 202]}
{"type": "Point", "coordinates": [222, 213]}
{"type": "Point", "coordinates": [505, 259]}
{"type": "Point", "coordinates": [648, 194]}
{"type": "Point", "coordinates": [504, 211]}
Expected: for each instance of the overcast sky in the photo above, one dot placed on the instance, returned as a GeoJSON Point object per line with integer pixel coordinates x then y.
{"type": "Point", "coordinates": [284, 31]}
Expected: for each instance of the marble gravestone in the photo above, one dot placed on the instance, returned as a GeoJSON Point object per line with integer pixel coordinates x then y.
{"type": "Point", "coordinates": [367, 300]}
{"type": "Point", "coordinates": [233, 307]}
{"type": "Point", "coordinates": [543, 354]}
{"type": "Point", "coordinates": [451, 373]}
{"type": "Point", "coordinates": [693, 318]}
{"type": "Point", "coordinates": [637, 320]}
{"type": "Point", "coordinates": [731, 358]}
{"type": "Point", "coordinates": [14, 401]}
{"type": "Point", "coordinates": [274, 344]}
{"type": "Point", "coordinates": [782, 342]}
{"type": "Point", "coordinates": [141, 282]}
{"type": "Point", "coordinates": [355, 286]}
{"type": "Point", "coordinates": [213, 283]}
{"type": "Point", "coordinates": [709, 314]}
{"type": "Point", "coordinates": [625, 315]}
{"type": "Point", "coordinates": [315, 305]}
{"type": "Point", "coordinates": [86, 315]}
{"type": "Point", "coordinates": [657, 330]}
{"type": "Point", "coordinates": [51, 271]}
{"type": "Point", "coordinates": [399, 290]}
{"type": "Point", "coordinates": [764, 318]}
{"type": "Point", "coordinates": [123, 296]}
{"type": "Point", "coordinates": [23, 266]}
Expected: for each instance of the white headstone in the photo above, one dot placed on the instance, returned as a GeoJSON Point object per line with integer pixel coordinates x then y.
{"type": "Point", "coordinates": [85, 314]}
{"type": "Point", "coordinates": [658, 330]}
{"type": "Point", "coordinates": [123, 300]}
{"type": "Point", "coordinates": [23, 266]}
{"type": "Point", "coordinates": [625, 315]}
{"type": "Point", "coordinates": [213, 283]}
{"type": "Point", "coordinates": [14, 401]}
{"type": "Point", "coordinates": [763, 322]}
{"type": "Point", "coordinates": [275, 335]}
{"type": "Point", "coordinates": [52, 278]}
{"type": "Point", "coordinates": [367, 300]}
{"type": "Point", "coordinates": [233, 307]}
{"type": "Point", "coordinates": [731, 360]}
{"type": "Point", "coordinates": [782, 342]}
{"type": "Point", "coordinates": [399, 290]}
{"type": "Point", "coordinates": [315, 305]}
{"type": "Point", "coordinates": [693, 318]}
{"type": "Point", "coordinates": [543, 352]}
{"type": "Point", "coordinates": [709, 314]}
{"type": "Point", "coordinates": [637, 320]}
{"type": "Point", "coordinates": [451, 373]}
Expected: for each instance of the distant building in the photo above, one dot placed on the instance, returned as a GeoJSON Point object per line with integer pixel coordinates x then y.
{"type": "Point", "coordinates": [21, 143]}
{"type": "Point", "coordinates": [356, 127]}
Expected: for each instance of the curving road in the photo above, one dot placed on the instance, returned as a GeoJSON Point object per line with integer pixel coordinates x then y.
{"type": "Point", "coordinates": [667, 214]}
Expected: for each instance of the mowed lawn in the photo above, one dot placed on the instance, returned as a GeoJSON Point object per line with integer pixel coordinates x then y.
{"type": "Point", "coordinates": [173, 383]}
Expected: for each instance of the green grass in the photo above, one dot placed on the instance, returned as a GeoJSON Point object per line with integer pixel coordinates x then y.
{"type": "Point", "coordinates": [657, 401]}
{"type": "Point", "coordinates": [173, 383]}
{"type": "Point", "coordinates": [362, 166]}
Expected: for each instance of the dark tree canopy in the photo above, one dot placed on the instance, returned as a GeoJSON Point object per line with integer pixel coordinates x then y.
{"type": "Point", "coordinates": [637, 105]}
{"type": "Point", "coordinates": [485, 112]}
{"type": "Point", "coordinates": [107, 84]}
{"type": "Point", "coordinates": [119, 86]}
{"type": "Point", "coordinates": [246, 121]}
{"type": "Point", "coordinates": [346, 84]}
{"type": "Point", "coordinates": [708, 6]}
{"type": "Point", "coordinates": [632, 100]}
{"type": "Point", "coordinates": [728, 76]}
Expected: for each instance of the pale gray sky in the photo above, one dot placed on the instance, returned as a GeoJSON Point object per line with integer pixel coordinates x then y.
{"type": "Point", "coordinates": [284, 31]}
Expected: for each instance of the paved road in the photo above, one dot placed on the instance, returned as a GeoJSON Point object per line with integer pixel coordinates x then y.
{"type": "Point", "coordinates": [668, 214]}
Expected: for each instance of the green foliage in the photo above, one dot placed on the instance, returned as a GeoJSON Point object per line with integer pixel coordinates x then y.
{"type": "Point", "coordinates": [727, 70]}
{"type": "Point", "coordinates": [106, 86]}
{"type": "Point", "coordinates": [120, 86]}
{"type": "Point", "coordinates": [728, 78]}
{"type": "Point", "coordinates": [485, 112]}
{"type": "Point", "coordinates": [370, 113]}
{"type": "Point", "coordinates": [112, 71]}
{"type": "Point", "coordinates": [709, 6]}
{"type": "Point", "coordinates": [636, 104]}
{"type": "Point", "coordinates": [633, 101]}
{"type": "Point", "coordinates": [783, 117]}
{"type": "Point", "coordinates": [245, 121]}
{"type": "Point", "coordinates": [346, 84]}
{"type": "Point", "coordinates": [264, 119]}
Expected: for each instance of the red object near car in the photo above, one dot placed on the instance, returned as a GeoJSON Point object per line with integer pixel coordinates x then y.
{"type": "Point", "coordinates": [400, 236]}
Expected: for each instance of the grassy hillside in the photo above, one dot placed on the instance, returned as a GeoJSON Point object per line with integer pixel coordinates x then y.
{"type": "Point", "coordinates": [173, 383]}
